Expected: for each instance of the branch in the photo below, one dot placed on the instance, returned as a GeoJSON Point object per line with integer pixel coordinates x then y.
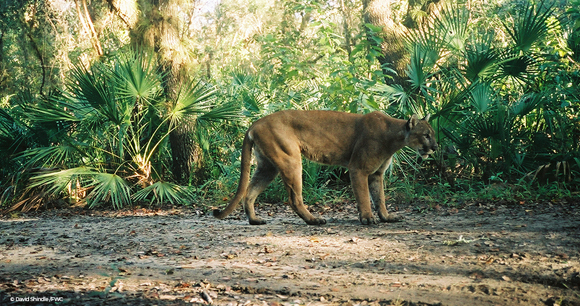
{"type": "Point", "coordinates": [35, 47]}
{"type": "Point", "coordinates": [119, 13]}
{"type": "Point", "coordinates": [85, 19]}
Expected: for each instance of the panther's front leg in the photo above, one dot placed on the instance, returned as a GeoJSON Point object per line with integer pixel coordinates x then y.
{"type": "Point", "coordinates": [360, 187]}
{"type": "Point", "coordinates": [377, 192]}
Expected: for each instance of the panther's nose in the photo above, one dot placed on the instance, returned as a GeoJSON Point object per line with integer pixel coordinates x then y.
{"type": "Point", "coordinates": [435, 146]}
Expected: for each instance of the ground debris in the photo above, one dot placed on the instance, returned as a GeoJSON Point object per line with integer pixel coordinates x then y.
{"type": "Point", "coordinates": [471, 255]}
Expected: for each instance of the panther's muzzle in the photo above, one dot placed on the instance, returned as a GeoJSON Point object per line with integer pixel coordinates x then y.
{"type": "Point", "coordinates": [425, 151]}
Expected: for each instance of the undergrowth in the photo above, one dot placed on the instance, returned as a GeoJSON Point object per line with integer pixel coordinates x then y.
{"type": "Point", "coordinates": [323, 186]}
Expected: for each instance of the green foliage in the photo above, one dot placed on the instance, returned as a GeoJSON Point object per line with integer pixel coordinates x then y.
{"type": "Point", "coordinates": [108, 134]}
{"type": "Point", "coordinates": [500, 82]}
{"type": "Point", "coordinates": [161, 192]}
{"type": "Point", "coordinates": [491, 101]}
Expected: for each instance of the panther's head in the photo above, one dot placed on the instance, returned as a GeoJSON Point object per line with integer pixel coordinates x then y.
{"type": "Point", "coordinates": [420, 136]}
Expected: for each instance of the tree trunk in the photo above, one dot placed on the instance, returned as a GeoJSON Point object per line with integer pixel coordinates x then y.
{"type": "Point", "coordinates": [394, 54]}
{"type": "Point", "coordinates": [346, 28]}
{"type": "Point", "coordinates": [87, 23]}
{"type": "Point", "coordinates": [158, 28]}
{"type": "Point", "coordinates": [184, 154]}
{"type": "Point", "coordinates": [30, 26]}
{"type": "Point", "coordinates": [3, 74]}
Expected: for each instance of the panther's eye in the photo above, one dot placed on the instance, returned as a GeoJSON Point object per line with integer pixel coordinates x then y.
{"type": "Point", "coordinates": [427, 136]}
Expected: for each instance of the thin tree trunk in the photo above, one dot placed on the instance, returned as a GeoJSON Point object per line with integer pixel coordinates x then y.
{"type": "Point", "coordinates": [2, 66]}
{"type": "Point", "coordinates": [394, 55]}
{"type": "Point", "coordinates": [40, 58]}
{"type": "Point", "coordinates": [85, 18]}
{"type": "Point", "coordinates": [30, 25]}
{"type": "Point", "coordinates": [346, 27]}
{"type": "Point", "coordinates": [120, 14]}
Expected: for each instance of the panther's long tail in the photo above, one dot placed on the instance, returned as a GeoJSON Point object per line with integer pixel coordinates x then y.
{"type": "Point", "coordinates": [244, 179]}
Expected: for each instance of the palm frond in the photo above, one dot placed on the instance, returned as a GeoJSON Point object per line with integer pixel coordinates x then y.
{"type": "Point", "coordinates": [480, 57]}
{"type": "Point", "coordinates": [106, 187]}
{"type": "Point", "coordinates": [422, 66]}
{"type": "Point", "coordinates": [227, 111]}
{"type": "Point", "coordinates": [57, 181]}
{"type": "Point", "coordinates": [481, 97]}
{"type": "Point", "coordinates": [92, 86]}
{"type": "Point", "coordinates": [521, 68]}
{"type": "Point", "coordinates": [161, 192]}
{"type": "Point", "coordinates": [452, 26]}
{"type": "Point", "coordinates": [397, 95]}
{"type": "Point", "coordinates": [527, 104]}
{"type": "Point", "coordinates": [53, 156]}
{"type": "Point", "coordinates": [6, 120]}
{"type": "Point", "coordinates": [194, 99]}
{"type": "Point", "coordinates": [484, 126]}
{"type": "Point", "coordinates": [12, 133]}
{"type": "Point", "coordinates": [109, 188]}
{"type": "Point", "coordinates": [136, 77]}
{"type": "Point", "coordinates": [54, 113]}
{"type": "Point", "coordinates": [530, 25]}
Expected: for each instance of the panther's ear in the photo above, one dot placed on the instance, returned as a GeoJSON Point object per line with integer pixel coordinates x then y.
{"type": "Point", "coordinates": [427, 117]}
{"type": "Point", "coordinates": [412, 122]}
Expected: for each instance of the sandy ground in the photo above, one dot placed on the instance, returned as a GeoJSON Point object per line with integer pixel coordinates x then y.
{"type": "Point", "coordinates": [478, 254]}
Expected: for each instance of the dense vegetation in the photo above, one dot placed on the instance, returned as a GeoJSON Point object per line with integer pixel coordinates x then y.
{"type": "Point", "coordinates": [139, 101]}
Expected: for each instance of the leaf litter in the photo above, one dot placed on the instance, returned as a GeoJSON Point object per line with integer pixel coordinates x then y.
{"type": "Point", "coordinates": [456, 256]}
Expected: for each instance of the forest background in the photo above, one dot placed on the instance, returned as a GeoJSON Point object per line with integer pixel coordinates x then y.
{"type": "Point", "coordinates": [120, 102]}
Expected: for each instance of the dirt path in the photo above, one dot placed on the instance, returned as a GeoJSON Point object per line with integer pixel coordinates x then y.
{"type": "Point", "coordinates": [476, 255]}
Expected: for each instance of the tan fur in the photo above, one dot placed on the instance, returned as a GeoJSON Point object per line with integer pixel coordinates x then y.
{"type": "Point", "coordinates": [364, 144]}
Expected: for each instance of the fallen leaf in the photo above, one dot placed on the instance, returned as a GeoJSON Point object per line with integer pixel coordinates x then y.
{"type": "Point", "coordinates": [206, 297]}
{"type": "Point", "coordinates": [563, 255]}
{"type": "Point", "coordinates": [228, 256]}
{"type": "Point", "coordinates": [476, 275]}
{"type": "Point", "coordinates": [353, 240]}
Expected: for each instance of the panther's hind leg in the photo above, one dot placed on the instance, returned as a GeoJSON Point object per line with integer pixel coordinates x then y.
{"type": "Point", "coordinates": [265, 173]}
{"type": "Point", "coordinates": [292, 177]}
